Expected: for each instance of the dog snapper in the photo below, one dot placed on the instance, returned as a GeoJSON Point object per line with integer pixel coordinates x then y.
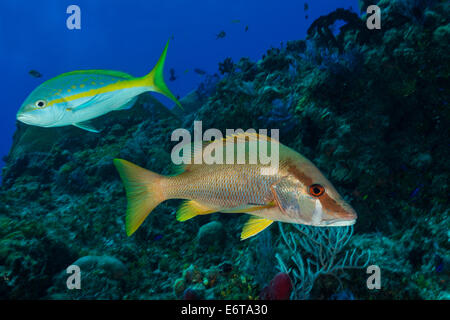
{"type": "Point", "coordinates": [295, 192]}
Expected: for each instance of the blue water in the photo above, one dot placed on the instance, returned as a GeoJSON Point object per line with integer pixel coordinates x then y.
{"type": "Point", "coordinates": [129, 36]}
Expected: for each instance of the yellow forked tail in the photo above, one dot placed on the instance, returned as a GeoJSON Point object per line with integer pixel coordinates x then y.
{"type": "Point", "coordinates": [155, 79]}
{"type": "Point", "coordinates": [143, 192]}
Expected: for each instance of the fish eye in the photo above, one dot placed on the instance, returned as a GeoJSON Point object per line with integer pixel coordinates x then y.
{"type": "Point", "coordinates": [40, 103]}
{"type": "Point", "coordinates": [316, 190]}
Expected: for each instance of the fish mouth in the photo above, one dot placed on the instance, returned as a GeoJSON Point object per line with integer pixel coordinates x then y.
{"type": "Point", "coordinates": [342, 219]}
{"type": "Point", "coordinates": [339, 222]}
{"type": "Point", "coordinates": [321, 217]}
{"type": "Point", "coordinates": [24, 118]}
{"type": "Point", "coordinates": [34, 121]}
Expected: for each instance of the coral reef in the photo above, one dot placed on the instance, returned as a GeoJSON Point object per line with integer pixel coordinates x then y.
{"type": "Point", "coordinates": [369, 108]}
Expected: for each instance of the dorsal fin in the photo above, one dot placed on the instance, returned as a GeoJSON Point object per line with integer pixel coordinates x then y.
{"type": "Point", "coordinates": [237, 138]}
{"type": "Point", "coordinates": [112, 73]}
{"type": "Point", "coordinates": [196, 151]}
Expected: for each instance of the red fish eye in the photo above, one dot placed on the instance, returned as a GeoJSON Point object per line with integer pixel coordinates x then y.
{"type": "Point", "coordinates": [316, 190]}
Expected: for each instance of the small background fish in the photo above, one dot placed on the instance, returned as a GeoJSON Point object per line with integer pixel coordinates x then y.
{"type": "Point", "coordinates": [199, 71]}
{"type": "Point", "coordinates": [35, 73]}
{"type": "Point", "coordinates": [221, 35]}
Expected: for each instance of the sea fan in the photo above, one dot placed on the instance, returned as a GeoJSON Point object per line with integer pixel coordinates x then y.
{"type": "Point", "coordinates": [323, 254]}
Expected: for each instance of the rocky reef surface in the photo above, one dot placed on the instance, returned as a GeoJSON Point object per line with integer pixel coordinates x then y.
{"type": "Point", "coordinates": [368, 107]}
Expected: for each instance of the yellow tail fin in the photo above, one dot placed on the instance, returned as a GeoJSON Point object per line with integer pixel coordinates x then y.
{"type": "Point", "coordinates": [143, 193]}
{"type": "Point", "coordinates": [155, 79]}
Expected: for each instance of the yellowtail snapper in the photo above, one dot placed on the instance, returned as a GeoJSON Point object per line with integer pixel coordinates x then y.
{"type": "Point", "coordinates": [76, 97]}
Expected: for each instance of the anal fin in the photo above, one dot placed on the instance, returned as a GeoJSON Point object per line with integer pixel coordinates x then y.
{"type": "Point", "coordinates": [190, 209]}
{"type": "Point", "coordinates": [86, 125]}
{"type": "Point", "coordinates": [254, 226]}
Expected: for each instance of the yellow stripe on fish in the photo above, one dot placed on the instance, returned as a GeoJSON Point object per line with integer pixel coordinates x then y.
{"type": "Point", "coordinates": [120, 84]}
{"type": "Point", "coordinates": [296, 192]}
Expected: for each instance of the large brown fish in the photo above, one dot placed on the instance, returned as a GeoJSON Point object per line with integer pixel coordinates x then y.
{"type": "Point", "coordinates": [295, 192]}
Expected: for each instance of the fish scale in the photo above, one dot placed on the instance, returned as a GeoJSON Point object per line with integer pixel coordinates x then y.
{"type": "Point", "coordinates": [226, 187]}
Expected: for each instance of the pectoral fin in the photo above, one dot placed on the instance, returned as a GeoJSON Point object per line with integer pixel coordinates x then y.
{"type": "Point", "coordinates": [92, 101]}
{"type": "Point", "coordinates": [254, 226]}
{"type": "Point", "coordinates": [86, 125]}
